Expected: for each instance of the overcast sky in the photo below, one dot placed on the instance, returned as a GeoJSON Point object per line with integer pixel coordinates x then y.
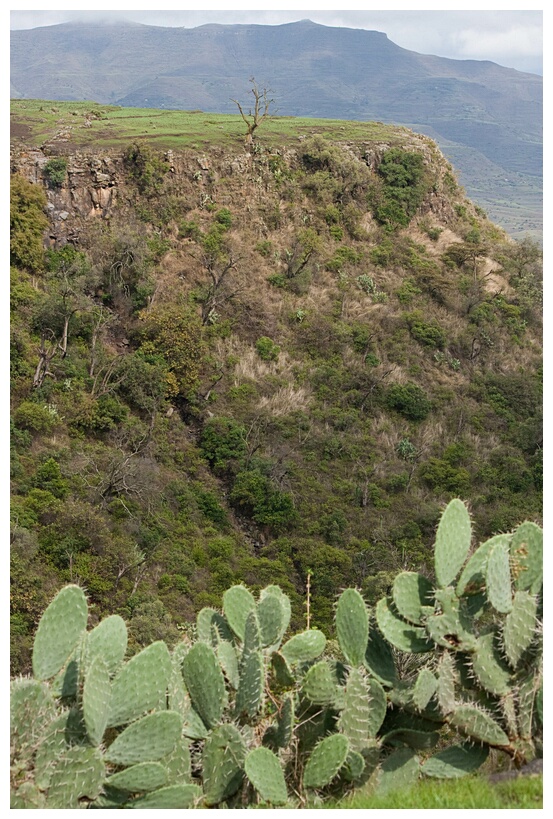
{"type": "Point", "coordinates": [510, 38]}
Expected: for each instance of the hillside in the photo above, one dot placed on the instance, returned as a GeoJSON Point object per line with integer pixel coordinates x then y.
{"type": "Point", "coordinates": [486, 118]}
{"type": "Point", "coordinates": [255, 366]}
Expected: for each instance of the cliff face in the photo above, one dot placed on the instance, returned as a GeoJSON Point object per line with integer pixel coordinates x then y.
{"type": "Point", "coordinates": [97, 182]}
{"type": "Point", "coordinates": [264, 364]}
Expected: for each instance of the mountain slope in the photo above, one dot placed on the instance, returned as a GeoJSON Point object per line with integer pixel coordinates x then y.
{"type": "Point", "coordinates": [258, 367]}
{"type": "Point", "coordinates": [312, 70]}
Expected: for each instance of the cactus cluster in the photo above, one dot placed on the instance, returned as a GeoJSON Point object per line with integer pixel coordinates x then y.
{"type": "Point", "coordinates": [246, 714]}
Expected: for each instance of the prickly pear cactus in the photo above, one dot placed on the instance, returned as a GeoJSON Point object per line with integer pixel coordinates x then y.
{"type": "Point", "coordinates": [423, 685]}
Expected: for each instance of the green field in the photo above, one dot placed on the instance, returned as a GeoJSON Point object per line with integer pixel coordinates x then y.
{"type": "Point", "coordinates": [82, 124]}
{"type": "Point", "coordinates": [476, 793]}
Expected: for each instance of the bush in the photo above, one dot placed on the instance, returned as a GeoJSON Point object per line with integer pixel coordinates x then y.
{"type": "Point", "coordinates": [254, 495]}
{"type": "Point", "coordinates": [267, 350]}
{"type": "Point", "coordinates": [223, 217]}
{"type": "Point", "coordinates": [404, 187]}
{"type": "Point", "coordinates": [48, 477]}
{"type": "Point", "coordinates": [428, 333]}
{"type": "Point", "coordinates": [444, 478]}
{"type": "Point", "coordinates": [409, 400]}
{"type": "Point", "coordinates": [146, 167]}
{"type": "Point", "coordinates": [34, 417]}
{"type": "Point", "coordinates": [223, 442]}
{"type": "Point", "coordinates": [55, 171]}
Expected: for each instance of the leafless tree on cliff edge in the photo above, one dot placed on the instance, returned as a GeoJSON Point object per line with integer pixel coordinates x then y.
{"type": "Point", "coordinates": [254, 118]}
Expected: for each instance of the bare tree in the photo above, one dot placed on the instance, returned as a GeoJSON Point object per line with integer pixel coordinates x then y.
{"type": "Point", "coordinates": [254, 118]}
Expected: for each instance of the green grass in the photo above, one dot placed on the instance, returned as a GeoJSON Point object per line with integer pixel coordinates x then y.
{"type": "Point", "coordinates": [524, 792]}
{"type": "Point", "coordinates": [37, 121]}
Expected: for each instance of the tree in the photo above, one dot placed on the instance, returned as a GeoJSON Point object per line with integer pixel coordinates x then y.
{"type": "Point", "coordinates": [253, 119]}
{"type": "Point", "coordinates": [28, 223]}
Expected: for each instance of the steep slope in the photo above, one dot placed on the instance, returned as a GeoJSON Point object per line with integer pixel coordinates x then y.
{"type": "Point", "coordinates": [312, 70]}
{"type": "Point", "coordinates": [259, 366]}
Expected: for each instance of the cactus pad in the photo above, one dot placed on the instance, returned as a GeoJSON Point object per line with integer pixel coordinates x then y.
{"type": "Point", "coordinates": [304, 647]}
{"type": "Point", "coordinates": [319, 684]}
{"type": "Point", "coordinates": [145, 776]}
{"type": "Point", "coordinates": [283, 676]}
{"type": "Point", "coordinates": [173, 796]}
{"type": "Point", "coordinates": [109, 641]}
{"type": "Point", "coordinates": [32, 708]}
{"type": "Point", "coordinates": [527, 557]}
{"type": "Point", "coordinates": [417, 740]}
{"type": "Point", "coordinates": [78, 773]}
{"type": "Point", "coordinates": [411, 591]}
{"type": "Point", "coordinates": [226, 654]}
{"type": "Point", "coordinates": [205, 683]}
{"type": "Point", "coordinates": [238, 602]}
{"type": "Point", "coordinates": [490, 669]}
{"type": "Point", "coordinates": [452, 542]}
{"type": "Point", "coordinates": [178, 764]}
{"type": "Point", "coordinates": [267, 622]}
{"type": "Point", "coordinates": [58, 632]}
{"type": "Point", "coordinates": [264, 771]}
{"type": "Point", "coordinates": [400, 770]}
{"type": "Point", "coordinates": [473, 576]}
{"type": "Point", "coordinates": [251, 670]}
{"type": "Point", "coordinates": [498, 578]}
{"type": "Point", "coordinates": [447, 680]}
{"type": "Point", "coordinates": [223, 762]}
{"type": "Point", "coordinates": [455, 761]}
{"type": "Point", "coordinates": [424, 689]}
{"type": "Point", "coordinates": [398, 632]}
{"type": "Point", "coordinates": [352, 626]}
{"type": "Point", "coordinates": [355, 716]}
{"type": "Point", "coordinates": [146, 740]}
{"type": "Point", "coordinates": [379, 659]}
{"type": "Point", "coordinates": [520, 626]}
{"type": "Point", "coordinates": [53, 745]}
{"type": "Point", "coordinates": [96, 698]}
{"type": "Point", "coordinates": [271, 616]}
{"type": "Point", "coordinates": [140, 685]}
{"type": "Point", "coordinates": [479, 725]}
{"type": "Point", "coordinates": [326, 760]}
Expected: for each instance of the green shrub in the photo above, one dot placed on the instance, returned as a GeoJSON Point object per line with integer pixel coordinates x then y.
{"type": "Point", "coordinates": [428, 333]}
{"type": "Point", "coordinates": [443, 478]}
{"type": "Point", "coordinates": [190, 230]}
{"type": "Point", "coordinates": [266, 349]}
{"type": "Point", "coordinates": [223, 442]}
{"type": "Point", "coordinates": [254, 495]}
{"type": "Point", "coordinates": [404, 187]}
{"type": "Point", "coordinates": [48, 477]}
{"type": "Point", "coordinates": [223, 217]}
{"type": "Point", "coordinates": [55, 171]}
{"type": "Point", "coordinates": [35, 417]}
{"type": "Point", "coordinates": [409, 400]}
{"type": "Point", "coordinates": [147, 167]}
{"type": "Point", "coordinates": [265, 248]}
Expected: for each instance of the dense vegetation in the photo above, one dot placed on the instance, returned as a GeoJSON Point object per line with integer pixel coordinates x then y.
{"type": "Point", "coordinates": [262, 368]}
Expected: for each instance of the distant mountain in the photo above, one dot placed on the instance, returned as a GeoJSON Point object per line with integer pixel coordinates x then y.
{"type": "Point", "coordinates": [486, 118]}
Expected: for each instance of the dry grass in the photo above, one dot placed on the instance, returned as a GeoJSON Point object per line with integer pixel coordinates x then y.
{"type": "Point", "coordinates": [285, 400]}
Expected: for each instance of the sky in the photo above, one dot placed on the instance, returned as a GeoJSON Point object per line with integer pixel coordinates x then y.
{"type": "Point", "coordinates": [512, 38]}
